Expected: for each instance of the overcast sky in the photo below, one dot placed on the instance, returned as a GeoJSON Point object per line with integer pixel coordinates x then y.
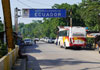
{"type": "Point", "coordinates": [37, 4]}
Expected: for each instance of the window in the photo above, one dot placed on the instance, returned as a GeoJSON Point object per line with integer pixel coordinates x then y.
{"type": "Point", "coordinates": [63, 33]}
{"type": "Point", "coordinates": [78, 34]}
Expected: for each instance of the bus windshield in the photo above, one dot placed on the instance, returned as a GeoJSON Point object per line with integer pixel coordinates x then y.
{"type": "Point", "coordinates": [63, 33]}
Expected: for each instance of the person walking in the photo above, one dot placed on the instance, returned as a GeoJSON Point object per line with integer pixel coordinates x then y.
{"type": "Point", "coordinates": [98, 43]}
{"type": "Point", "coordinates": [34, 41]}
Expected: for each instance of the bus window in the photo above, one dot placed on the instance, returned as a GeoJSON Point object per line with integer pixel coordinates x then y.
{"type": "Point", "coordinates": [78, 34]}
{"type": "Point", "coordinates": [63, 33]}
{"type": "Point", "coordinates": [60, 33]}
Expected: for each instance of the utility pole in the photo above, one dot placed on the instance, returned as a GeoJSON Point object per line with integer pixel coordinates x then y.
{"type": "Point", "coordinates": [16, 19]}
{"type": "Point", "coordinates": [8, 24]}
{"type": "Point", "coordinates": [71, 18]}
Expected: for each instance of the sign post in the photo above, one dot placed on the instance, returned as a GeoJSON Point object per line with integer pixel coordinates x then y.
{"type": "Point", "coordinates": [71, 18]}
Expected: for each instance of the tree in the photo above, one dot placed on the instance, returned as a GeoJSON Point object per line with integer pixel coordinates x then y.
{"type": "Point", "coordinates": [28, 30]}
{"type": "Point", "coordinates": [89, 13]}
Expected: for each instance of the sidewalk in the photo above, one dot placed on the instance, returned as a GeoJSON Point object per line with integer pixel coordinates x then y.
{"type": "Point", "coordinates": [20, 64]}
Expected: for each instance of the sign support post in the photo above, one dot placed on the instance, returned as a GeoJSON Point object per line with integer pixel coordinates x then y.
{"type": "Point", "coordinates": [71, 18]}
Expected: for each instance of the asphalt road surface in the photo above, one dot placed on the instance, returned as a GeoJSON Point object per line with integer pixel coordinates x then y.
{"type": "Point", "coordinates": [45, 56]}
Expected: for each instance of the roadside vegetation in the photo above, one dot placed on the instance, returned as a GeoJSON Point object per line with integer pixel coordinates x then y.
{"type": "Point", "coordinates": [3, 47]}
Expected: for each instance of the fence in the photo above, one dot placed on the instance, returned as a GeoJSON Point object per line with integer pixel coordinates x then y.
{"type": "Point", "coordinates": [7, 61]}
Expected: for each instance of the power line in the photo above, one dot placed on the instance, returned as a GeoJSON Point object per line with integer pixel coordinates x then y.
{"type": "Point", "coordinates": [24, 4]}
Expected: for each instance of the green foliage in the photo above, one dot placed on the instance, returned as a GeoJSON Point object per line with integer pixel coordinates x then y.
{"type": "Point", "coordinates": [28, 30]}
{"type": "Point", "coordinates": [3, 49]}
{"type": "Point", "coordinates": [90, 40]}
{"type": "Point", "coordinates": [89, 13]}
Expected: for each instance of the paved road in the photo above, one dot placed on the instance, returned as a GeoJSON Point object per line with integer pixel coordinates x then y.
{"type": "Point", "coordinates": [44, 56]}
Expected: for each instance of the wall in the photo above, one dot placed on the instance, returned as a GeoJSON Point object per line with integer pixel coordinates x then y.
{"type": "Point", "coordinates": [8, 60]}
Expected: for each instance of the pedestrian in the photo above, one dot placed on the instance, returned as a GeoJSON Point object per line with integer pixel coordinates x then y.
{"type": "Point", "coordinates": [34, 41]}
{"type": "Point", "coordinates": [98, 43]}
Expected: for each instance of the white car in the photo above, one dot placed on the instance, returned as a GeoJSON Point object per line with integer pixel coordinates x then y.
{"type": "Point", "coordinates": [27, 41]}
{"type": "Point", "coordinates": [51, 40]}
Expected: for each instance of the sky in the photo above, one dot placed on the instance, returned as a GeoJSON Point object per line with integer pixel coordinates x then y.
{"type": "Point", "coordinates": [37, 4]}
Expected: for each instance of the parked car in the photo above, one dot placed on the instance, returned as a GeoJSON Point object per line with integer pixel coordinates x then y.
{"type": "Point", "coordinates": [42, 39]}
{"type": "Point", "coordinates": [56, 41]}
{"type": "Point", "coordinates": [51, 40]}
{"type": "Point", "coordinates": [27, 42]}
{"type": "Point", "coordinates": [46, 39]}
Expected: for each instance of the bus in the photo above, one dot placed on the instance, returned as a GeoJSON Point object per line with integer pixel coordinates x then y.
{"type": "Point", "coordinates": [71, 37]}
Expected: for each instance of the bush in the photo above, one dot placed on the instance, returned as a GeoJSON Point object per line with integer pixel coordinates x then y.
{"type": "Point", "coordinates": [3, 50]}
{"type": "Point", "coordinates": [90, 42]}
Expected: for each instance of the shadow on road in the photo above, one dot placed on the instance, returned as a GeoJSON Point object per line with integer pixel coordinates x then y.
{"type": "Point", "coordinates": [31, 49]}
{"type": "Point", "coordinates": [49, 63]}
{"type": "Point", "coordinates": [32, 63]}
{"type": "Point", "coordinates": [79, 49]}
{"type": "Point", "coordinates": [93, 68]}
{"type": "Point", "coordinates": [60, 62]}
